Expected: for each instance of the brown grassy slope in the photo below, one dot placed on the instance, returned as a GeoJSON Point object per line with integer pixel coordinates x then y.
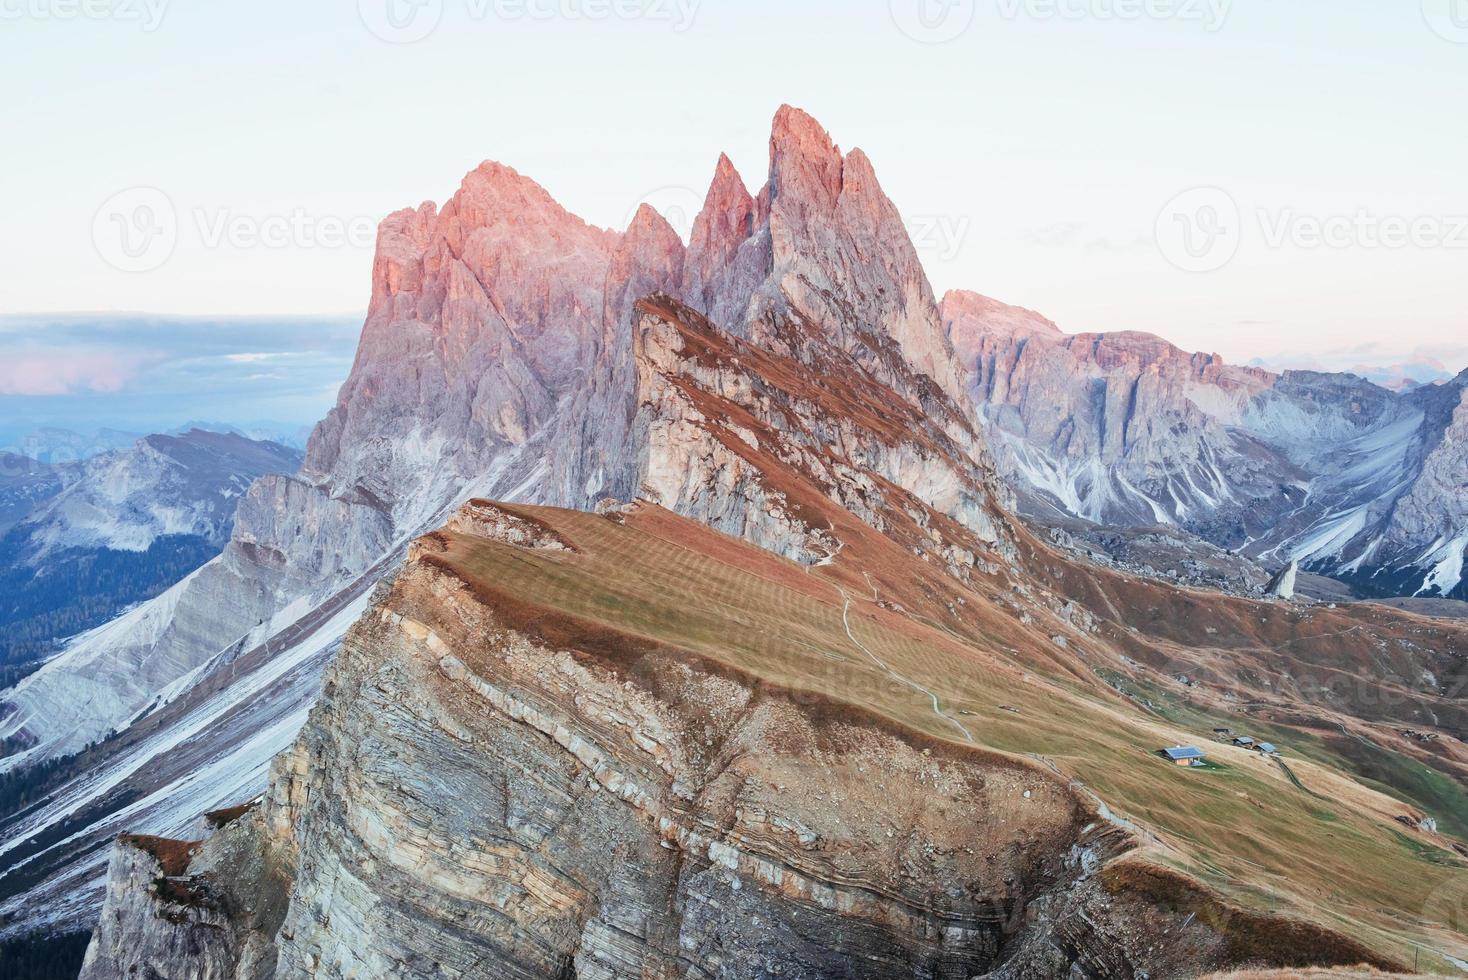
{"type": "Point", "coordinates": [663, 583]}
{"type": "Point", "coordinates": [1017, 665]}
{"type": "Point", "coordinates": [1341, 684]}
{"type": "Point", "coordinates": [173, 856]}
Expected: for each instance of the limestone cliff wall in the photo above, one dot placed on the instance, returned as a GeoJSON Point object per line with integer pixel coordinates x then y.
{"type": "Point", "coordinates": [470, 801]}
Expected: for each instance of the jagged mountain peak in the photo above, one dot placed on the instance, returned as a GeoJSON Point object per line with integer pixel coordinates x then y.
{"type": "Point", "coordinates": [494, 202]}
{"type": "Point", "coordinates": [804, 161]}
{"type": "Point", "coordinates": [726, 175]}
{"type": "Point", "coordinates": [728, 209]}
{"type": "Point", "coordinates": [648, 222]}
{"type": "Point", "coordinates": [821, 238]}
{"type": "Point", "coordinates": [513, 194]}
{"type": "Point", "coordinates": [728, 249]}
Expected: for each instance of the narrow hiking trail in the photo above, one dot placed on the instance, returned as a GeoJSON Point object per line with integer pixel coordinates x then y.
{"type": "Point", "coordinates": [1290, 774]}
{"type": "Point", "coordinates": [937, 705]}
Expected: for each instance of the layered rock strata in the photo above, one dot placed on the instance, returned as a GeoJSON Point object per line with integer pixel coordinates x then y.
{"type": "Point", "coordinates": [471, 799]}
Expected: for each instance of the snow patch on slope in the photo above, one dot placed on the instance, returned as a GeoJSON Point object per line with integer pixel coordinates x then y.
{"type": "Point", "coordinates": [1447, 567]}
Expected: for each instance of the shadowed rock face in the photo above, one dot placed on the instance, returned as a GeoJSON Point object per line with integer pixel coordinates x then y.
{"type": "Point", "coordinates": [1350, 479]}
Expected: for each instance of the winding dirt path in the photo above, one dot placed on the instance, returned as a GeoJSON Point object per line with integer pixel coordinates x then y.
{"type": "Point", "coordinates": [937, 705]}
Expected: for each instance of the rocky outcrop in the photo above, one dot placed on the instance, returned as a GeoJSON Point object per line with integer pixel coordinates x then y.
{"type": "Point", "coordinates": [1124, 429]}
{"type": "Point", "coordinates": [182, 908]}
{"type": "Point", "coordinates": [823, 239]}
{"type": "Point", "coordinates": [1428, 527]}
{"type": "Point", "coordinates": [735, 436]}
{"type": "Point", "coordinates": [497, 361]}
{"type": "Point", "coordinates": [1282, 586]}
{"type": "Point", "coordinates": [472, 798]}
{"type": "Point", "coordinates": [485, 519]}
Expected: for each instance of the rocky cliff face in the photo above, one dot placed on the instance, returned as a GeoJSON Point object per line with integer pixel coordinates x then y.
{"type": "Point", "coordinates": [498, 360]}
{"type": "Point", "coordinates": [738, 438]}
{"type": "Point", "coordinates": [1432, 509]}
{"type": "Point", "coordinates": [493, 787]}
{"type": "Point", "coordinates": [1125, 429]}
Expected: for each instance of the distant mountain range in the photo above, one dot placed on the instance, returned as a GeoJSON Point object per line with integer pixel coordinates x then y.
{"type": "Point", "coordinates": [58, 446]}
{"type": "Point", "coordinates": [83, 540]}
{"type": "Point", "coordinates": [1401, 376]}
{"type": "Point", "coordinates": [1352, 480]}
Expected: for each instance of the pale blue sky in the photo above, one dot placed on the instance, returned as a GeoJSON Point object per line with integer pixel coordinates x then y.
{"type": "Point", "coordinates": [1034, 152]}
